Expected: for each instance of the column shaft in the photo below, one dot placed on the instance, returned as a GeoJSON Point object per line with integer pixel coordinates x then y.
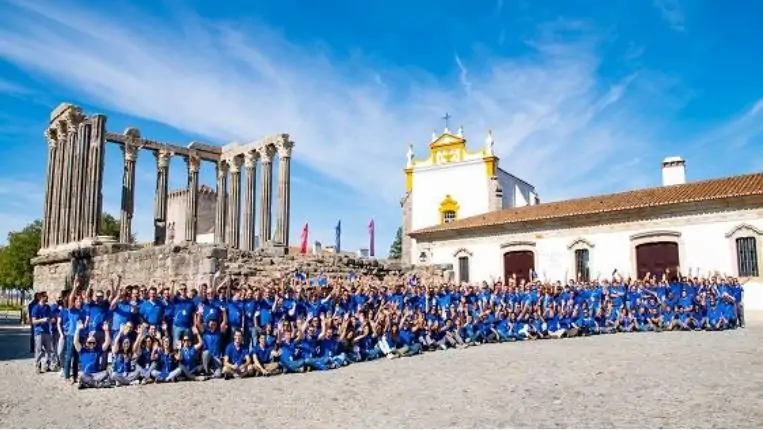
{"type": "Point", "coordinates": [221, 208]}
{"type": "Point", "coordinates": [128, 192]}
{"type": "Point", "coordinates": [234, 208]}
{"type": "Point", "coordinates": [58, 174]}
{"type": "Point", "coordinates": [160, 197]}
{"type": "Point", "coordinates": [266, 198]}
{"type": "Point", "coordinates": [192, 204]}
{"type": "Point", "coordinates": [49, 172]}
{"type": "Point", "coordinates": [285, 203]}
{"type": "Point", "coordinates": [94, 194]}
{"type": "Point", "coordinates": [66, 200]}
{"type": "Point", "coordinates": [78, 172]}
{"type": "Point", "coordinates": [250, 162]}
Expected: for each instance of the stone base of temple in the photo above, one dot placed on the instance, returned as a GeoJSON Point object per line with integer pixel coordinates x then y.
{"type": "Point", "coordinates": [194, 264]}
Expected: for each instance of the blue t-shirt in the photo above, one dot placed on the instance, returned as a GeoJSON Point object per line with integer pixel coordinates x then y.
{"type": "Point", "coordinates": [40, 311]}
{"type": "Point", "coordinates": [236, 355]}
{"type": "Point", "coordinates": [152, 313]}
{"type": "Point", "coordinates": [184, 309]}
{"type": "Point", "coordinates": [96, 312]}
{"type": "Point", "coordinates": [90, 360]}
{"type": "Point", "coordinates": [213, 342]}
{"type": "Point", "coordinates": [263, 354]}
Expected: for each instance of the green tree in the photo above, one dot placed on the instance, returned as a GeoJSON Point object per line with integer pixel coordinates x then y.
{"type": "Point", "coordinates": [16, 270]}
{"type": "Point", "coordinates": [396, 249]}
{"type": "Point", "coordinates": [110, 227]}
{"type": "Point", "coordinates": [15, 267]}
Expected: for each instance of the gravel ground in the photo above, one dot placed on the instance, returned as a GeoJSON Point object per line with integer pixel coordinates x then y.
{"type": "Point", "coordinates": [640, 380]}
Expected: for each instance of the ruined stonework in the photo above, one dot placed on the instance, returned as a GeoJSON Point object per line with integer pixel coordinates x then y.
{"type": "Point", "coordinates": [190, 263]}
{"type": "Point", "coordinates": [407, 205]}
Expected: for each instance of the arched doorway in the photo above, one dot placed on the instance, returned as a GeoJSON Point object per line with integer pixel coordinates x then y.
{"type": "Point", "coordinates": [656, 257]}
{"type": "Point", "coordinates": [518, 263]}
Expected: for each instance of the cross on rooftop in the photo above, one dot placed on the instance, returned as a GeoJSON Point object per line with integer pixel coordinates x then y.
{"type": "Point", "coordinates": [446, 118]}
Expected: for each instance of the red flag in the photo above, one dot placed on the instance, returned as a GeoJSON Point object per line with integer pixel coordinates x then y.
{"type": "Point", "coordinates": [371, 234]}
{"type": "Point", "coordinates": [303, 241]}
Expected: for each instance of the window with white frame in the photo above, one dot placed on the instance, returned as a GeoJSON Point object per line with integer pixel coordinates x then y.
{"type": "Point", "coordinates": [582, 269]}
{"type": "Point", "coordinates": [449, 216]}
{"type": "Point", "coordinates": [747, 256]}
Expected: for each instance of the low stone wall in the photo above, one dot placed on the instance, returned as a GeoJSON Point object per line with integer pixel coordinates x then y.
{"type": "Point", "coordinates": [191, 262]}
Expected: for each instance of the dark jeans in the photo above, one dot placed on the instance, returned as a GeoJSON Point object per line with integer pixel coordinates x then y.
{"type": "Point", "coordinates": [31, 339]}
{"type": "Point", "coordinates": [71, 358]}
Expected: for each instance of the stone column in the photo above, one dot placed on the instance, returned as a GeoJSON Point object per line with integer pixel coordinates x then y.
{"type": "Point", "coordinates": [192, 204]}
{"type": "Point", "coordinates": [128, 192]}
{"type": "Point", "coordinates": [284, 190]}
{"type": "Point", "coordinates": [266, 198]}
{"type": "Point", "coordinates": [160, 197]}
{"type": "Point", "coordinates": [66, 183]}
{"type": "Point", "coordinates": [250, 206]}
{"type": "Point", "coordinates": [50, 135]}
{"type": "Point", "coordinates": [94, 196]}
{"type": "Point", "coordinates": [58, 174]}
{"type": "Point", "coordinates": [221, 209]}
{"type": "Point", "coordinates": [79, 170]}
{"type": "Point", "coordinates": [234, 200]}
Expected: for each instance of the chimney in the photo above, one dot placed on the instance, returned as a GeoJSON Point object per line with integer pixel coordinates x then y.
{"type": "Point", "coordinates": [673, 171]}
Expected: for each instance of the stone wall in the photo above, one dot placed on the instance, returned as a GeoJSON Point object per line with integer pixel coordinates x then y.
{"type": "Point", "coordinates": [190, 262]}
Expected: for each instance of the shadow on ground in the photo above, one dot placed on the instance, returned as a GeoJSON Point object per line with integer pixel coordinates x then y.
{"type": "Point", "coordinates": [14, 342]}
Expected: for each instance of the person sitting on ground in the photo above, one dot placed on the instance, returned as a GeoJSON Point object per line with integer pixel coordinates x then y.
{"type": "Point", "coordinates": [93, 373]}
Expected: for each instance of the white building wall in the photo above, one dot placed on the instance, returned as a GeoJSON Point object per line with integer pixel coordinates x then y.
{"type": "Point", "coordinates": [516, 192]}
{"type": "Point", "coordinates": [465, 182]}
{"type": "Point", "coordinates": [703, 244]}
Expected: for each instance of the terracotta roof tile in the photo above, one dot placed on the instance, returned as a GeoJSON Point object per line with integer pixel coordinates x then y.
{"type": "Point", "coordinates": [734, 186]}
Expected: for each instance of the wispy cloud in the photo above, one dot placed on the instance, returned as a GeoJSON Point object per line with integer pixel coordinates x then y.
{"type": "Point", "coordinates": [498, 7]}
{"type": "Point", "coordinates": [672, 12]}
{"type": "Point", "coordinates": [217, 80]}
{"type": "Point", "coordinates": [463, 75]}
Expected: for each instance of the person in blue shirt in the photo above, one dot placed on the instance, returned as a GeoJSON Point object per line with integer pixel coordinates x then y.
{"type": "Point", "coordinates": [123, 370]}
{"type": "Point", "coordinates": [212, 354]}
{"type": "Point", "coordinates": [151, 311]}
{"type": "Point", "coordinates": [187, 357]}
{"type": "Point", "coordinates": [145, 362]}
{"type": "Point", "coordinates": [184, 309]}
{"type": "Point", "coordinates": [237, 363]}
{"type": "Point", "coordinates": [166, 362]}
{"type": "Point", "coordinates": [264, 362]}
{"type": "Point", "coordinates": [93, 373]}
{"type": "Point", "coordinates": [43, 340]}
{"type": "Point", "coordinates": [35, 300]}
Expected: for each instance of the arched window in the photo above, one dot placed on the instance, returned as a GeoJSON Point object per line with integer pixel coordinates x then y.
{"type": "Point", "coordinates": [582, 269]}
{"type": "Point", "coordinates": [448, 209]}
{"type": "Point", "coordinates": [747, 256]}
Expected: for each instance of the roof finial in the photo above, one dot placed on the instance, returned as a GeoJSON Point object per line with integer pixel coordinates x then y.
{"type": "Point", "coordinates": [461, 131]}
{"type": "Point", "coordinates": [410, 156]}
{"type": "Point", "coordinates": [489, 142]}
{"type": "Point", "coordinates": [446, 118]}
{"type": "Point", "coordinates": [434, 135]}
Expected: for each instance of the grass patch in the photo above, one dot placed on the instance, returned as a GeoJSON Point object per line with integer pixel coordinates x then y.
{"type": "Point", "coordinates": [7, 307]}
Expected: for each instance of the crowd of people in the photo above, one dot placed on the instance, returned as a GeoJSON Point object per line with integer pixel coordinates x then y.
{"type": "Point", "coordinates": [231, 328]}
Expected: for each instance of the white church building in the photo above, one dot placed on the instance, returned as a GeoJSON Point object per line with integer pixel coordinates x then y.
{"type": "Point", "coordinates": [461, 208]}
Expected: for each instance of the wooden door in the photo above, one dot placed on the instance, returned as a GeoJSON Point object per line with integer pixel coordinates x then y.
{"type": "Point", "coordinates": [656, 257]}
{"type": "Point", "coordinates": [518, 263]}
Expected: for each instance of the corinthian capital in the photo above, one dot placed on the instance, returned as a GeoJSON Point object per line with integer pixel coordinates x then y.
{"type": "Point", "coordinates": [130, 152]}
{"type": "Point", "coordinates": [235, 164]}
{"type": "Point", "coordinates": [266, 153]}
{"type": "Point", "coordinates": [284, 146]}
{"type": "Point", "coordinates": [62, 131]}
{"type": "Point", "coordinates": [250, 159]}
{"type": "Point", "coordinates": [222, 169]}
{"type": "Point", "coordinates": [193, 162]}
{"type": "Point", "coordinates": [51, 135]}
{"type": "Point", "coordinates": [163, 158]}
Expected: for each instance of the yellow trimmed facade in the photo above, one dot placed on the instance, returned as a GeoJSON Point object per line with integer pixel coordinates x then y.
{"type": "Point", "coordinates": [453, 182]}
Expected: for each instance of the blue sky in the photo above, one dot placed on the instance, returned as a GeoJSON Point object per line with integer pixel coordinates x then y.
{"type": "Point", "coordinates": [583, 97]}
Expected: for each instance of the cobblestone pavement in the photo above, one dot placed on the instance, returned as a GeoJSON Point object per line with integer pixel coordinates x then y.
{"type": "Point", "coordinates": [641, 380]}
